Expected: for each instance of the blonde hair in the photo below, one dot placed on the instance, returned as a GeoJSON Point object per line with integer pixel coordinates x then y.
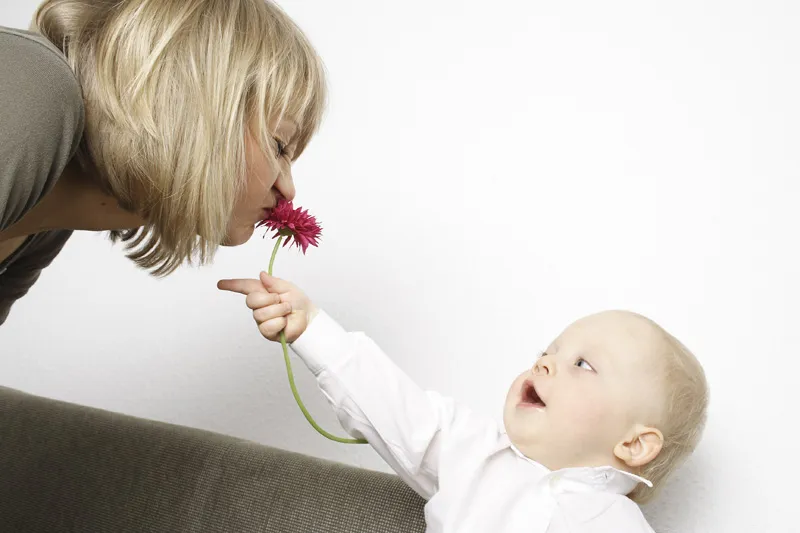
{"type": "Point", "coordinates": [171, 89]}
{"type": "Point", "coordinates": [683, 416]}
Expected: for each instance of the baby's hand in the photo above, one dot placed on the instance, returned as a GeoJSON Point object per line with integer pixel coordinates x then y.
{"type": "Point", "coordinates": [277, 305]}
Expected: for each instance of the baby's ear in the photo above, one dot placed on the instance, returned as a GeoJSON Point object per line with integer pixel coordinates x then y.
{"type": "Point", "coordinates": [641, 445]}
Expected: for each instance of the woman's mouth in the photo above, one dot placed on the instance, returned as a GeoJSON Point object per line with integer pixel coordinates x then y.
{"type": "Point", "coordinates": [529, 396]}
{"type": "Point", "coordinates": [266, 212]}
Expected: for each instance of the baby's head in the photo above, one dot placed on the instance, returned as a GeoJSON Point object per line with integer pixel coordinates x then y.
{"type": "Point", "coordinates": [613, 389]}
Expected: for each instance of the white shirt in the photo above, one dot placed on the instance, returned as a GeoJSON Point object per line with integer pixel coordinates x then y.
{"type": "Point", "coordinates": [464, 465]}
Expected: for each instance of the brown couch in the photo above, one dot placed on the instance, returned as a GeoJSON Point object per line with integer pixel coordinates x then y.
{"type": "Point", "coordinates": [70, 468]}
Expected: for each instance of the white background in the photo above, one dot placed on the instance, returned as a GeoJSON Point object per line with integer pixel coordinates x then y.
{"type": "Point", "coordinates": [487, 173]}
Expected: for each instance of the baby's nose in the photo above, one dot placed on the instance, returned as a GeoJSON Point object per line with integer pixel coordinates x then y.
{"type": "Point", "coordinates": [543, 367]}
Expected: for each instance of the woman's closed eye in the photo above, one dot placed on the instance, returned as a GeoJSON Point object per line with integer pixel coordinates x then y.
{"type": "Point", "coordinates": [281, 147]}
{"type": "Point", "coordinates": [583, 363]}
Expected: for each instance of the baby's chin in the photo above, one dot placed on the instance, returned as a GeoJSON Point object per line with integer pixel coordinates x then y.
{"type": "Point", "coordinates": [524, 436]}
{"type": "Point", "coordinates": [551, 457]}
{"type": "Point", "coordinates": [555, 451]}
{"type": "Point", "coordinates": [532, 451]}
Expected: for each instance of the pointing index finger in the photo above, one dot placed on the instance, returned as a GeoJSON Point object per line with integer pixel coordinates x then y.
{"type": "Point", "coordinates": [241, 286]}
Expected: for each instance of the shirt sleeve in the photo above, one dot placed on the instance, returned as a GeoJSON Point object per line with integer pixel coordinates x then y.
{"type": "Point", "coordinates": [374, 399]}
{"type": "Point", "coordinates": [41, 120]}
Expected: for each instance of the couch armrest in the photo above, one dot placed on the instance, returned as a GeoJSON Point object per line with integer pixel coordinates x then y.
{"type": "Point", "coordinates": [65, 467]}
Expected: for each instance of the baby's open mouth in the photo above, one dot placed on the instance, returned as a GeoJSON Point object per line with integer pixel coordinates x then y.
{"type": "Point", "coordinates": [530, 396]}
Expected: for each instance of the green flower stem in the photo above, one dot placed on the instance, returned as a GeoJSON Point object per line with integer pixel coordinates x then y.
{"type": "Point", "coordinates": [291, 374]}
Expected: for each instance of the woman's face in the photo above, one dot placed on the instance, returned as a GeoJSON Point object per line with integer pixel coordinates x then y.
{"type": "Point", "coordinates": [266, 182]}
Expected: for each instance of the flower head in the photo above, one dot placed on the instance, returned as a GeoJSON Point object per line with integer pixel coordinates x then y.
{"type": "Point", "coordinates": [293, 223]}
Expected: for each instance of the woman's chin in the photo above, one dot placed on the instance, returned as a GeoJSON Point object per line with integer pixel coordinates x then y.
{"type": "Point", "coordinates": [238, 236]}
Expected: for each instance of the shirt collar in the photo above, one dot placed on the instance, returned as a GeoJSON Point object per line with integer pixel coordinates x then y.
{"type": "Point", "coordinates": [579, 479]}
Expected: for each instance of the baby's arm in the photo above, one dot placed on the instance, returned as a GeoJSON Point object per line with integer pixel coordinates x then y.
{"type": "Point", "coordinates": [371, 396]}
{"type": "Point", "coordinates": [377, 401]}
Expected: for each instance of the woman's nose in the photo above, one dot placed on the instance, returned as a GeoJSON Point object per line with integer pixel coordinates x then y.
{"type": "Point", "coordinates": [285, 185]}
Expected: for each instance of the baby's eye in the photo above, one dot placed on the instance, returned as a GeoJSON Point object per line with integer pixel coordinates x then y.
{"type": "Point", "coordinates": [583, 363]}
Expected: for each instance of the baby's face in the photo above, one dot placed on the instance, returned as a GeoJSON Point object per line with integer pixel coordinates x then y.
{"type": "Point", "coordinates": [591, 386]}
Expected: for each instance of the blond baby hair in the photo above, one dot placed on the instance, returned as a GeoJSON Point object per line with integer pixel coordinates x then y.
{"type": "Point", "coordinates": [171, 88]}
{"type": "Point", "coordinates": [683, 416]}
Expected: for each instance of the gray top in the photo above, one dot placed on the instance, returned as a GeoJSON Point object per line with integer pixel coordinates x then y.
{"type": "Point", "coordinates": [41, 124]}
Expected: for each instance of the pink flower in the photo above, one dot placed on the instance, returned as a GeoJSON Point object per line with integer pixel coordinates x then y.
{"type": "Point", "coordinates": [293, 223]}
{"type": "Point", "coordinates": [297, 225]}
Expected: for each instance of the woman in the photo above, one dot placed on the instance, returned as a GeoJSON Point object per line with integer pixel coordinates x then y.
{"type": "Point", "coordinates": [171, 123]}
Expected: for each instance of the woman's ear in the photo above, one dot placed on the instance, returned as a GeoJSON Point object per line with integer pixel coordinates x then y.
{"type": "Point", "coordinates": [641, 445]}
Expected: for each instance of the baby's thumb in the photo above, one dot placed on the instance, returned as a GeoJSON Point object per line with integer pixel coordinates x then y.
{"type": "Point", "coordinates": [273, 284]}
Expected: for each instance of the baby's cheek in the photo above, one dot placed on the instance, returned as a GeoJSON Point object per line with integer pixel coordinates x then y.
{"type": "Point", "coordinates": [589, 413]}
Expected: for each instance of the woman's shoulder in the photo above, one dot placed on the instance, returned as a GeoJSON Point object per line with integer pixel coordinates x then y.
{"type": "Point", "coordinates": [41, 119]}
{"type": "Point", "coordinates": [34, 71]}
{"type": "Point", "coordinates": [32, 56]}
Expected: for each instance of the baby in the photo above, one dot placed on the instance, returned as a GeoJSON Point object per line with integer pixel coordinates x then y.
{"type": "Point", "coordinates": [603, 417]}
